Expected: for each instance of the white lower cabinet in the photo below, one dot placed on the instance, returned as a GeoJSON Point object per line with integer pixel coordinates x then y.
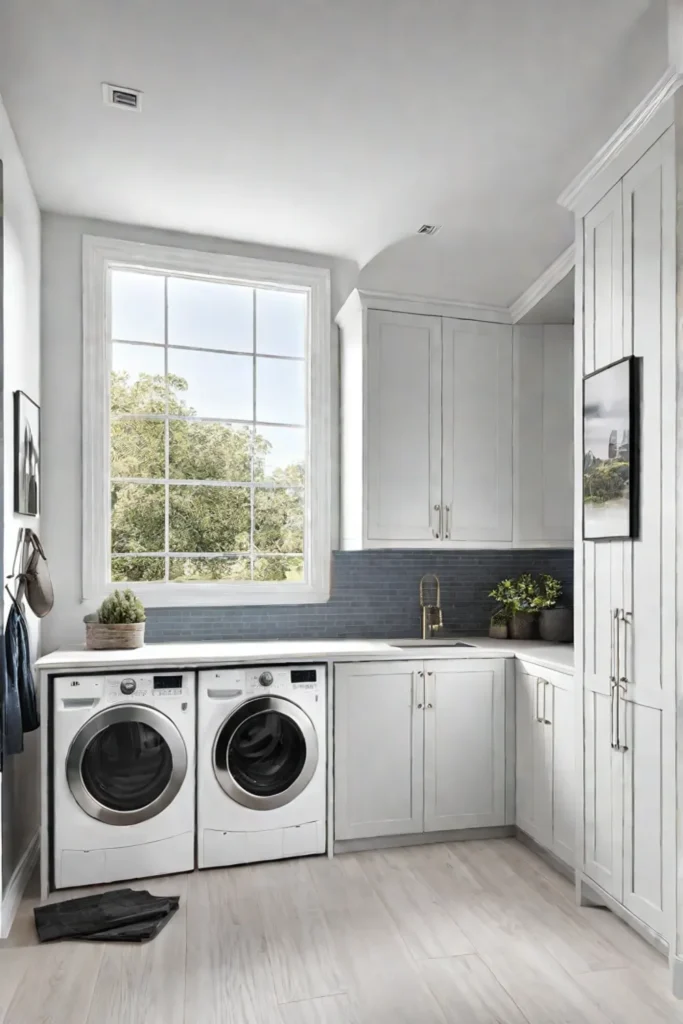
{"type": "Point", "coordinates": [464, 745]}
{"type": "Point", "coordinates": [419, 747]}
{"type": "Point", "coordinates": [545, 763]}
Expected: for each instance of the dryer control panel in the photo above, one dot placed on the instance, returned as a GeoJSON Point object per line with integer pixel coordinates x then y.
{"type": "Point", "coordinates": [249, 680]}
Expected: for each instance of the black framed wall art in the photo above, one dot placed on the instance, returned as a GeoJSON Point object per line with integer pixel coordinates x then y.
{"type": "Point", "coordinates": [611, 455]}
{"type": "Point", "coordinates": [26, 455]}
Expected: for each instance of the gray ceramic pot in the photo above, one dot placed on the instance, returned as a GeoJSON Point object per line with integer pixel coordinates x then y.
{"type": "Point", "coordinates": [557, 625]}
{"type": "Point", "coordinates": [522, 626]}
{"type": "Point", "coordinates": [498, 630]}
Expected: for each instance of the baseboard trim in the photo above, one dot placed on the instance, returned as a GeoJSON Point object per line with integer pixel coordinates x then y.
{"type": "Point", "coordinates": [17, 885]}
{"type": "Point", "coordinates": [677, 976]}
{"type": "Point", "coordinates": [590, 889]}
{"type": "Point", "coordinates": [548, 856]}
{"type": "Point", "coordinates": [422, 839]}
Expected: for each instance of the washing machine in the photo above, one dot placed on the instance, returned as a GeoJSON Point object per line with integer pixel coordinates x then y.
{"type": "Point", "coordinates": [261, 764]}
{"type": "Point", "coordinates": [123, 776]}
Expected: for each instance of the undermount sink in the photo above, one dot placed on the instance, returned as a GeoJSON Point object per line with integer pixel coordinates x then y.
{"type": "Point", "coordinates": [434, 642]}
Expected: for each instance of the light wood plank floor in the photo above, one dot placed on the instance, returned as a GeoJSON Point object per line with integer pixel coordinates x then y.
{"type": "Point", "coordinates": [471, 933]}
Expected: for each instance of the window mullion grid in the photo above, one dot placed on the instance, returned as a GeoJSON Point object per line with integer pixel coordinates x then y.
{"type": "Point", "coordinates": [167, 465]}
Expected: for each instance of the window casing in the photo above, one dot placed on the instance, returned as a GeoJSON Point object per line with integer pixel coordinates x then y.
{"type": "Point", "coordinates": [159, 400]}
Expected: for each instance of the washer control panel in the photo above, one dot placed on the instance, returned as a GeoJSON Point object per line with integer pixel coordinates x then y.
{"type": "Point", "coordinates": [125, 686]}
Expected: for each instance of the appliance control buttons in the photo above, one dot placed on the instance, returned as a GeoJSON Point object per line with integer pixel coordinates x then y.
{"type": "Point", "coordinates": [266, 679]}
{"type": "Point", "coordinates": [128, 686]}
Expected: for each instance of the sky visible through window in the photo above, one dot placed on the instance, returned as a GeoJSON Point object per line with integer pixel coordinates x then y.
{"type": "Point", "coordinates": [208, 386]}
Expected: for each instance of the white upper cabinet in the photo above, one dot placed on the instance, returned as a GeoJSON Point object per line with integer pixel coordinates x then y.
{"type": "Point", "coordinates": [452, 434]}
{"type": "Point", "coordinates": [404, 423]}
{"type": "Point", "coordinates": [477, 434]}
{"type": "Point", "coordinates": [543, 441]}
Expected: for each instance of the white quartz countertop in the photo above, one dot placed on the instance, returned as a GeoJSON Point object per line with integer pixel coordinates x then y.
{"type": "Point", "coordinates": [190, 655]}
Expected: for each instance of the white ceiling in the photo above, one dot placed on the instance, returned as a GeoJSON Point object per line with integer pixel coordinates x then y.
{"type": "Point", "coordinates": [334, 126]}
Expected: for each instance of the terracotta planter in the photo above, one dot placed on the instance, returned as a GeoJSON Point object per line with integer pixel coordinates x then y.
{"type": "Point", "coordinates": [498, 630]}
{"type": "Point", "coordinates": [557, 625]}
{"type": "Point", "coordinates": [522, 626]}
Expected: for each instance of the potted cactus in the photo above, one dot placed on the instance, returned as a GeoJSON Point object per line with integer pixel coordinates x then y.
{"type": "Point", "coordinates": [118, 624]}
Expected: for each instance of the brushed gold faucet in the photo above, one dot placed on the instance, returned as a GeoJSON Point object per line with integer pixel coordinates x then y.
{"type": "Point", "coordinates": [430, 603]}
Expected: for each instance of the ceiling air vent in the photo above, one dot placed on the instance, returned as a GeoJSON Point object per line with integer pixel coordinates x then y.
{"type": "Point", "coordinates": [429, 229]}
{"type": "Point", "coordinates": [117, 96]}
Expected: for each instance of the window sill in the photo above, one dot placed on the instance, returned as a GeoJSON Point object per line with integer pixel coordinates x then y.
{"type": "Point", "coordinates": [188, 595]}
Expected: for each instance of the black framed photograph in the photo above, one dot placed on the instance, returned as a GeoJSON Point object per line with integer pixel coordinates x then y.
{"type": "Point", "coordinates": [26, 455]}
{"type": "Point", "coordinates": [611, 451]}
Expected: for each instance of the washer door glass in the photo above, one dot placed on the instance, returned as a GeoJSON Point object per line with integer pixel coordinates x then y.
{"type": "Point", "coordinates": [266, 754]}
{"type": "Point", "coordinates": [127, 766]}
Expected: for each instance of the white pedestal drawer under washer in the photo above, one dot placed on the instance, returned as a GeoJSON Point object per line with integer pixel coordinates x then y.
{"type": "Point", "coordinates": [123, 776]}
{"type": "Point", "coordinates": [261, 767]}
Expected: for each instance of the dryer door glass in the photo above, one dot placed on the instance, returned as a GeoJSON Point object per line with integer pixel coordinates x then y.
{"type": "Point", "coordinates": [266, 753]}
{"type": "Point", "coordinates": [127, 766]}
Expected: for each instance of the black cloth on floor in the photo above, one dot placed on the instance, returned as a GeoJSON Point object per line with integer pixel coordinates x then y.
{"type": "Point", "coordinates": [122, 915]}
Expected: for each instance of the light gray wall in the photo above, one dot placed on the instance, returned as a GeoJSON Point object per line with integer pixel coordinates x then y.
{"type": "Point", "coordinates": [61, 370]}
{"type": "Point", "coordinates": [19, 791]}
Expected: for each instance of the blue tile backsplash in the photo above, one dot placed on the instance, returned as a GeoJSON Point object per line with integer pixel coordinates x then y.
{"type": "Point", "coordinates": [374, 594]}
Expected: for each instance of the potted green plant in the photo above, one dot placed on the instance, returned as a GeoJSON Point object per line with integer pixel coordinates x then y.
{"type": "Point", "coordinates": [118, 624]}
{"type": "Point", "coordinates": [517, 598]}
{"type": "Point", "coordinates": [555, 624]}
{"type": "Point", "coordinates": [498, 626]}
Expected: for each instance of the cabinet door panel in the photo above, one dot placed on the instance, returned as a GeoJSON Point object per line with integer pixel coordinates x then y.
{"type": "Point", "coordinates": [378, 749]}
{"type": "Point", "coordinates": [603, 798]}
{"type": "Point", "coordinates": [525, 715]}
{"type": "Point", "coordinates": [477, 430]}
{"type": "Point", "coordinates": [647, 706]}
{"type": "Point", "coordinates": [561, 714]}
{"type": "Point", "coordinates": [464, 745]}
{"type": "Point", "coordinates": [543, 435]}
{"type": "Point", "coordinates": [404, 426]}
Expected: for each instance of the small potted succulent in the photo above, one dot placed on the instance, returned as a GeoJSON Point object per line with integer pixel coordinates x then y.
{"type": "Point", "coordinates": [518, 600]}
{"type": "Point", "coordinates": [498, 627]}
{"type": "Point", "coordinates": [555, 624]}
{"type": "Point", "coordinates": [118, 624]}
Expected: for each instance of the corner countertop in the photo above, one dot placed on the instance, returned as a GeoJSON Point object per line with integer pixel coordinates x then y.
{"type": "Point", "coordinates": [195, 655]}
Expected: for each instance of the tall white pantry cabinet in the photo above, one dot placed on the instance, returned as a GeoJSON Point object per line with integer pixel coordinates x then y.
{"type": "Point", "coordinates": [627, 626]}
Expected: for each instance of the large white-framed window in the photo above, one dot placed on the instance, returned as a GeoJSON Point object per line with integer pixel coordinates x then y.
{"type": "Point", "coordinates": [206, 426]}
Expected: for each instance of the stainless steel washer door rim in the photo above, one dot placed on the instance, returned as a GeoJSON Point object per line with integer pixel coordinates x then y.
{"type": "Point", "coordinates": [225, 734]}
{"type": "Point", "coordinates": [119, 714]}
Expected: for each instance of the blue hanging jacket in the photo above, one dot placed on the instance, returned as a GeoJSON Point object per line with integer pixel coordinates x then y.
{"type": "Point", "coordinates": [19, 706]}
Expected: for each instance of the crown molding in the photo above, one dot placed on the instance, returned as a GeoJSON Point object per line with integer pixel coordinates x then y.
{"type": "Point", "coordinates": [406, 303]}
{"type": "Point", "coordinates": [553, 274]}
{"type": "Point", "coordinates": [635, 123]}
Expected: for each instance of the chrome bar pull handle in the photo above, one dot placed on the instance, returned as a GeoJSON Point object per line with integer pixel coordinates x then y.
{"type": "Point", "coordinates": [437, 531]}
{"type": "Point", "coordinates": [539, 716]}
{"type": "Point", "coordinates": [421, 696]}
{"type": "Point", "coordinates": [546, 720]}
{"type": "Point", "coordinates": [447, 533]}
{"type": "Point", "coordinates": [614, 683]}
